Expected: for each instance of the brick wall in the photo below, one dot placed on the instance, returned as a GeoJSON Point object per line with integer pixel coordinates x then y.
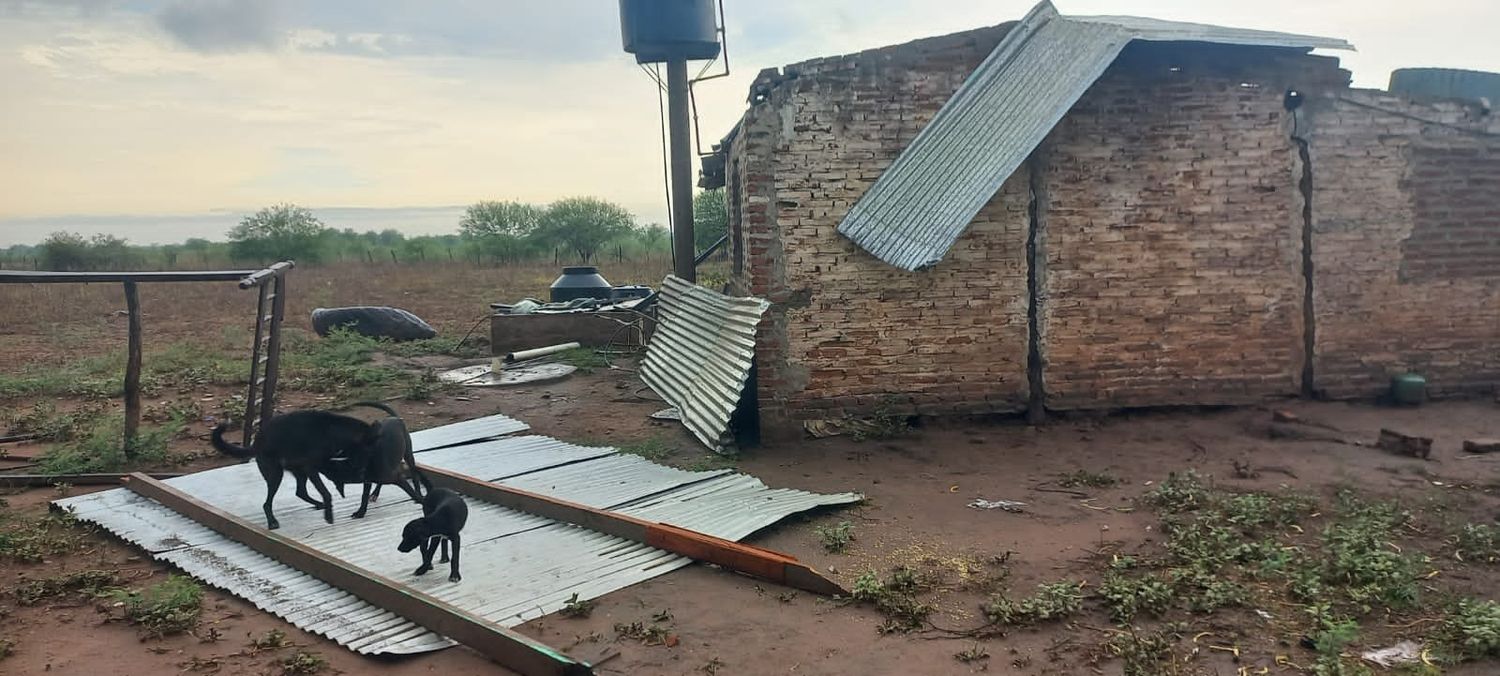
{"type": "Point", "coordinates": [848, 333]}
{"type": "Point", "coordinates": [1406, 215]}
{"type": "Point", "coordinates": [1173, 231]}
{"type": "Point", "coordinates": [1170, 229]}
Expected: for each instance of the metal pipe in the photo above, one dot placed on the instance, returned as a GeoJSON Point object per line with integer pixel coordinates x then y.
{"type": "Point", "coordinates": [523, 355]}
{"type": "Point", "coordinates": [710, 250]}
{"type": "Point", "coordinates": [682, 169]}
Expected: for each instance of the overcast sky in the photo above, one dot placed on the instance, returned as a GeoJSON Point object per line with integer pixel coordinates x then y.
{"type": "Point", "coordinates": [161, 120]}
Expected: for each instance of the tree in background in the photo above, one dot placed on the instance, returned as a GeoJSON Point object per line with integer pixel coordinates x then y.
{"type": "Point", "coordinates": [500, 230]}
{"type": "Point", "coordinates": [653, 238]}
{"type": "Point", "coordinates": [710, 218]}
{"type": "Point", "coordinates": [584, 224]}
{"type": "Point", "coordinates": [64, 251]}
{"type": "Point", "coordinates": [278, 233]}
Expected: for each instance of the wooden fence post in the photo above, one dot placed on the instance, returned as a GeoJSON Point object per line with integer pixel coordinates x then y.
{"type": "Point", "coordinates": [132, 369]}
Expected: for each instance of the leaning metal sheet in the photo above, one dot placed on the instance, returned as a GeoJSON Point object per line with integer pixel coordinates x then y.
{"type": "Point", "coordinates": [516, 566]}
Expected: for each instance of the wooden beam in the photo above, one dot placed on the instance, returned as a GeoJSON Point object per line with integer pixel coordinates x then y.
{"type": "Point", "coordinates": [748, 559]}
{"type": "Point", "coordinates": [44, 480]}
{"type": "Point", "coordinates": [132, 368]}
{"type": "Point", "coordinates": [510, 649]}
{"type": "Point", "coordinates": [49, 277]}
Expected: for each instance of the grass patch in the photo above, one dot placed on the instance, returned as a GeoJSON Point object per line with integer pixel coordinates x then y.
{"type": "Point", "coordinates": [87, 583]}
{"type": "Point", "coordinates": [274, 639]}
{"type": "Point", "coordinates": [26, 539]}
{"type": "Point", "coordinates": [835, 538]}
{"type": "Point", "coordinates": [586, 359]}
{"type": "Point", "coordinates": [170, 607]}
{"type": "Point", "coordinates": [302, 663]}
{"type": "Point", "coordinates": [1085, 479]}
{"type": "Point", "coordinates": [886, 423]}
{"type": "Point", "coordinates": [435, 346]}
{"type": "Point", "coordinates": [1472, 631]}
{"type": "Point", "coordinates": [44, 420]}
{"type": "Point", "coordinates": [102, 448]}
{"type": "Point", "coordinates": [654, 449]}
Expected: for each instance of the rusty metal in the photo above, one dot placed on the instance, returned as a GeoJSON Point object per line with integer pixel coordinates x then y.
{"type": "Point", "coordinates": [750, 560]}
{"type": "Point", "coordinates": [45, 480]}
{"type": "Point", "coordinates": [510, 649]}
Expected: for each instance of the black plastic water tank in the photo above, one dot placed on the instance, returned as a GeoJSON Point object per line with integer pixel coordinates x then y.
{"type": "Point", "coordinates": [580, 281]}
{"type": "Point", "coordinates": [657, 30]}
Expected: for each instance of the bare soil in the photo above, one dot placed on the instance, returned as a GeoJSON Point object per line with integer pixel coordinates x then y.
{"type": "Point", "coordinates": [919, 487]}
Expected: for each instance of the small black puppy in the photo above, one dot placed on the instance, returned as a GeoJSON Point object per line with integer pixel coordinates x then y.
{"type": "Point", "coordinates": [443, 516]}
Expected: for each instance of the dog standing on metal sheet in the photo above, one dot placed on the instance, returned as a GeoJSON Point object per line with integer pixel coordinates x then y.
{"type": "Point", "coordinates": [443, 516]}
{"type": "Point", "coordinates": [381, 464]}
{"type": "Point", "coordinates": [301, 442]}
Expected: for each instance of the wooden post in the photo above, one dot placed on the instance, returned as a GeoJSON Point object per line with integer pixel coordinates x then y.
{"type": "Point", "coordinates": [132, 369]}
{"type": "Point", "coordinates": [393, 257]}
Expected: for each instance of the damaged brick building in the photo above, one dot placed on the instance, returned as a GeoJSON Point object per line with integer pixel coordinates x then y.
{"type": "Point", "coordinates": [1108, 212]}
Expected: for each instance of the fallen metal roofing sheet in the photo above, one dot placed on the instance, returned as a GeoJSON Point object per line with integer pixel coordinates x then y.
{"type": "Point", "coordinates": [925, 200]}
{"type": "Point", "coordinates": [699, 357]}
{"type": "Point", "coordinates": [487, 427]}
{"type": "Point", "coordinates": [516, 566]}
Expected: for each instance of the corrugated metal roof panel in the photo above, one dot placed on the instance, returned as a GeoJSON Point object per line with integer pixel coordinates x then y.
{"type": "Point", "coordinates": [925, 200]}
{"type": "Point", "coordinates": [461, 432]}
{"type": "Point", "coordinates": [699, 357]}
{"type": "Point", "coordinates": [516, 566]}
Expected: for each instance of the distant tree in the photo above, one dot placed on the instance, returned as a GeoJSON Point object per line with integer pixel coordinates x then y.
{"type": "Point", "coordinates": [584, 224]}
{"type": "Point", "coordinates": [64, 251]}
{"type": "Point", "coordinates": [710, 218]}
{"type": "Point", "coordinates": [169, 255]}
{"type": "Point", "coordinates": [107, 252]}
{"type": "Point", "coordinates": [500, 230]}
{"type": "Point", "coordinates": [277, 233]}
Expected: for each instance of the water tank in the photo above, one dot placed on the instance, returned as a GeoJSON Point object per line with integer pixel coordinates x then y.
{"type": "Point", "coordinates": [580, 281]}
{"type": "Point", "coordinates": [1446, 83]}
{"type": "Point", "coordinates": [656, 30]}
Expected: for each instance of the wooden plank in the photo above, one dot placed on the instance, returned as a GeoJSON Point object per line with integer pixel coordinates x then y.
{"type": "Point", "coordinates": [45, 480]}
{"type": "Point", "coordinates": [750, 560]}
{"type": "Point", "coordinates": [510, 649]}
{"type": "Point", "coordinates": [132, 368]}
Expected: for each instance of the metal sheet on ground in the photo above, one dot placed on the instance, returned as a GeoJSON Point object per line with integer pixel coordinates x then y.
{"type": "Point", "coordinates": [516, 566]}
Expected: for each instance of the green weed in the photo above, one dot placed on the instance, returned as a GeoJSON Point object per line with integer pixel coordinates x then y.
{"type": "Point", "coordinates": [1179, 493]}
{"type": "Point", "coordinates": [895, 597]}
{"type": "Point", "coordinates": [1472, 630]}
{"type": "Point", "coordinates": [655, 448]}
{"type": "Point", "coordinates": [302, 663]}
{"type": "Point", "coordinates": [87, 583]}
{"type": "Point", "coordinates": [102, 449]}
{"type": "Point", "coordinates": [170, 607]}
{"type": "Point", "coordinates": [26, 539]}
{"type": "Point", "coordinates": [576, 607]}
{"type": "Point", "coordinates": [1085, 479]}
{"type": "Point", "coordinates": [1050, 602]}
{"type": "Point", "coordinates": [586, 359]}
{"type": "Point", "coordinates": [1127, 596]}
{"type": "Point", "coordinates": [836, 538]}
{"type": "Point", "coordinates": [1478, 543]}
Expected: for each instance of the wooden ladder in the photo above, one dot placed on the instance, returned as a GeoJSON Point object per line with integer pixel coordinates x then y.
{"type": "Point", "coordinates": [265, 355]}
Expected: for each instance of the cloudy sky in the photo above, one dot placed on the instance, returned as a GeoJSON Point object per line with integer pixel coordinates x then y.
{"type": "Point", "coordinates": [161, 120]}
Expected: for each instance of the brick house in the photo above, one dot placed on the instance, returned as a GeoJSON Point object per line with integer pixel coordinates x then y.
{"type": "Point", "coordinates": [1107, 212]}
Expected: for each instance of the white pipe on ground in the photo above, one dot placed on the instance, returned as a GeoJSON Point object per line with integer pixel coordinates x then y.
{"type": "Point", "coordinates": [524, 355]}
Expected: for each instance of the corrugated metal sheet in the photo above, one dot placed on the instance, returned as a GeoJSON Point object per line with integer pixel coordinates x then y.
{"type": "Point", "coordinates": [925, 200]}
{"type": "Point", "coordinates": [487, 427]}
{"type": "Point", "coordinates": [516, 566]}
{"type": "Point", "coordinates": [699, 357]}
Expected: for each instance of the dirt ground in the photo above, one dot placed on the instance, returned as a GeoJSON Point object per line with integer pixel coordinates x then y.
{"type": "Point", "coordinates": [918, 486]}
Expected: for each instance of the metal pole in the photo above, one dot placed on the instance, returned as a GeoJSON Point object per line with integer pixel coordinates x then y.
{"type": "Point", "coordinates": [682, 170]}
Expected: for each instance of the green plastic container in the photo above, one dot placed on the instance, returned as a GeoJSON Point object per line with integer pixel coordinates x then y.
{"type": "Point", "coordinates": [1409, 389]}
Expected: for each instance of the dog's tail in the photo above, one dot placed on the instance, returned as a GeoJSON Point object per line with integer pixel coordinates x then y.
{"type": "Point", "coordinates": [228, 448]}
{"type": "Point", "coordinates": [375, 405]}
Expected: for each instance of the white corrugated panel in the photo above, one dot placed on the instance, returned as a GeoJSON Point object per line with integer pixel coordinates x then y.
{"type": "Point", "coordinates": [463, 432]}
{"type": "Point", "coordinates": [516, 566]}
{"type": "Point", "coordinates": [700, 354]}
{"type": "Point", "coordinates": [925, 200]}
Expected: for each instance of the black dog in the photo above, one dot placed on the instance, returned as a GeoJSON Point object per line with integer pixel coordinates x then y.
{"type": "Point", "coordinates": [301, 442]}
{"type": "Point", "coordinates": [379, 464]}
{"type": "Point", "coordinates": [443, 516]}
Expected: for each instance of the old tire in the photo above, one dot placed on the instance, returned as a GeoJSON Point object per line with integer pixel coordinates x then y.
{"type": "Point", "coordinates": [375, 322]}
